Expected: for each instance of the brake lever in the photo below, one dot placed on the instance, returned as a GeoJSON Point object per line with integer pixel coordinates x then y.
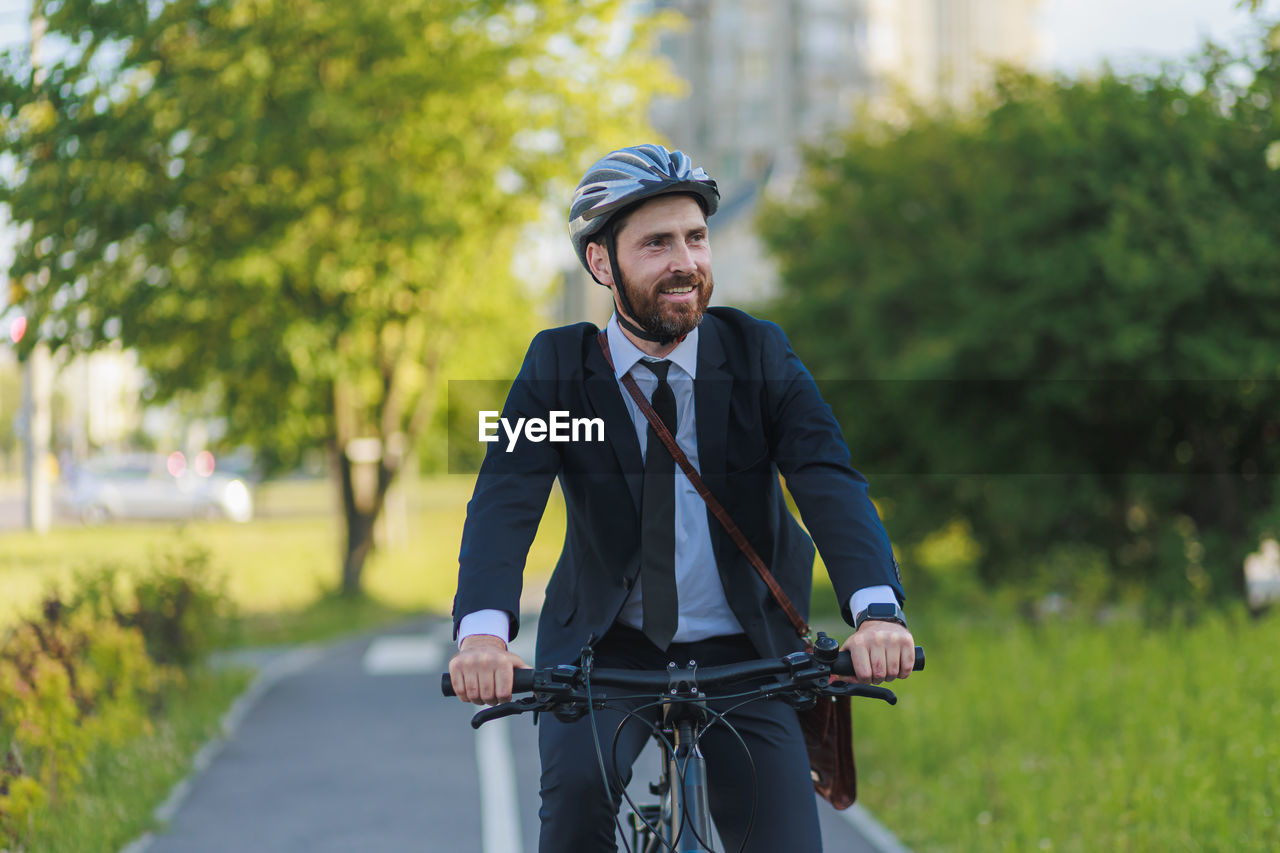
{"type": "Point", "coordinates": [854, 688]}
{"type": "Point", "coordinates": [510, 709]}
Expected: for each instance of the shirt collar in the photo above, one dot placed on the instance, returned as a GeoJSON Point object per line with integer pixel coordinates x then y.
{"type": "Point", "coordinates": [626, 354]}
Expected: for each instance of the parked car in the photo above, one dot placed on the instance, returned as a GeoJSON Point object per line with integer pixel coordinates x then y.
{"type": "Point", "coordinates": [154, 486]}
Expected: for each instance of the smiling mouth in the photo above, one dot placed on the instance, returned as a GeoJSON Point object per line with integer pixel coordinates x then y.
{"type": "Point", "coordinates": [678, 290]}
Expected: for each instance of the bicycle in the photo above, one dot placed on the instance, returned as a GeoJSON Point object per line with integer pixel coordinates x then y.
{"type": "Point", "coordinates": [680, 821]}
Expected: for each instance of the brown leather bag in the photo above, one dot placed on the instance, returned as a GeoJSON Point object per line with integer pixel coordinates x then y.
{"type": "Point", "coordinates": [828, 726]}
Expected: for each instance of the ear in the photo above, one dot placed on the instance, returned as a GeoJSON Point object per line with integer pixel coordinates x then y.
{"type": "Point", "coordinates": [598, 260]}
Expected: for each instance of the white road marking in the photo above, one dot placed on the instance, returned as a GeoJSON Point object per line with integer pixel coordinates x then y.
{"type": "Point", "coordinates": [499, 805]}
{"type": "Point", "coordinates": [403, 655]}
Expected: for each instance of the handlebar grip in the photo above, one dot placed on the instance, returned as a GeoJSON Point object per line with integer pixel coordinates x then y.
{"type": "Point", "coordinates": [521, 683]}
{"type": "Point", "coordinates": [844, 663]}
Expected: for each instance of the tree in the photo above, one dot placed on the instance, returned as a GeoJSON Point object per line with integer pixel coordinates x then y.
{"type": "Point", "coordinates": [1063, 315]}
{"type": "Point", "coordinates": [300, 206]}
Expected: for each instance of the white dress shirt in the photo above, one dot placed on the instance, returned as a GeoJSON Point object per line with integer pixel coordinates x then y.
{"type": "Point", "coordinates": [704, 611]}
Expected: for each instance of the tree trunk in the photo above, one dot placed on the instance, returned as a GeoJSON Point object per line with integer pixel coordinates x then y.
{"type": "Point", "coordinates": [1220, 511]}
{"type": "Point", "coordinates": [362, 503]}
{"type": "Point", "coordinates": [359, 545]}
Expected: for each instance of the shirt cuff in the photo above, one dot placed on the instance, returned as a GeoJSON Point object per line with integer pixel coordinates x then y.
{"type": "Point", "coordinates": [882, 594]}
{"type": "Point", "coordinates": [496, 623]}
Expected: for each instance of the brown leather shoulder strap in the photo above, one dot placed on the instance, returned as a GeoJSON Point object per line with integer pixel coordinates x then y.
{"type": "Point", "coordinates": [722, 515]}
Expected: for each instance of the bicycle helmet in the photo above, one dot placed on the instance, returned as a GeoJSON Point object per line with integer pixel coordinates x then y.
{"type": "Point", "coordinates": [620, 180]}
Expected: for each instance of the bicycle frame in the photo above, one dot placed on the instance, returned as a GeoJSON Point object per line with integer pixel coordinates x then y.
{"type": "Point", "coordinates": [682, 820]}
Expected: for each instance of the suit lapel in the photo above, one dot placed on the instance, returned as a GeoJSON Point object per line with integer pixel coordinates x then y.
{"type": "Point", "coordinates": [606, 399]}
{"type": "Point", "coordinates": [711, 393]}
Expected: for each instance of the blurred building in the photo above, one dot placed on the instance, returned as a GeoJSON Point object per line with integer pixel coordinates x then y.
{"type": "Point", "coordinates": [767, 77]}
{"type": "Point", "coordinates": [946, 50]}
{"type": "Point", "coordinates": [103, 400]}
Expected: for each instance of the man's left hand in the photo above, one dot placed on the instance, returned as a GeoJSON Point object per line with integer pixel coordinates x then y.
{"type": "Point", "coordinates": [881, 651]}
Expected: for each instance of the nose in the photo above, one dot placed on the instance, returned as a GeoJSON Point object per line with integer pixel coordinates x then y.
{"type": "Point", "coordinates": [682, 260]}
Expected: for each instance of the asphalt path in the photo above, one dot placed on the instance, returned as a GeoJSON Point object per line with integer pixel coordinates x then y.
{"type": "Point", "coordinates": [352, 748]}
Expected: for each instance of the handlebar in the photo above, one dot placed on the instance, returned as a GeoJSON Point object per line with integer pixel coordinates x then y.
{"type": "Point", "coordinates": [644, 681]}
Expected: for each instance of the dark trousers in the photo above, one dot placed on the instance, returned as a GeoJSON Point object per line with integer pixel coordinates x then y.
{"type": "Point", "coordinates": [577, 814]}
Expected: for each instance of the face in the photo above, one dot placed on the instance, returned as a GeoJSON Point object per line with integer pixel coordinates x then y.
{"type": "Point", "coordinates": [665, 260]}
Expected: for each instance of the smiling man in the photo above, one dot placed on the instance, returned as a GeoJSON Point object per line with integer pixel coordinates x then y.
{"type": "Point", "coordinates": [647, 574]}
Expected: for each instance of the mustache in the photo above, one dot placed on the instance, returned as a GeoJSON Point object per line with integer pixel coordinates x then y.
{"type": "Point", "coordinates": [695, 280]}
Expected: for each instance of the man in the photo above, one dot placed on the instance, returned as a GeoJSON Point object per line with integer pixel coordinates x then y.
{"type": "Point", "coordinates": [647, 574]}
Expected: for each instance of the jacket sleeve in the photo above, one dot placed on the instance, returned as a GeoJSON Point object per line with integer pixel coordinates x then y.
{"type": "Point", "coordinates": [809, 450]}
{"type": "Point", "coordinates": [510, 497]}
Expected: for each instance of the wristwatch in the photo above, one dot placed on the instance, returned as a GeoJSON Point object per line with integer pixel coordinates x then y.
{"type": "Point", "coordinates": [880, 613]}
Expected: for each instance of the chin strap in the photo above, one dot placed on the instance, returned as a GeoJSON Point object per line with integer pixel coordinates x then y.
{"type": "Point", "coordinates": [640, 332]}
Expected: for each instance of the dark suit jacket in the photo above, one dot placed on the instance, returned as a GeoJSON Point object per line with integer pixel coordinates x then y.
{"type": "Point", "coordinates": [758, 413]}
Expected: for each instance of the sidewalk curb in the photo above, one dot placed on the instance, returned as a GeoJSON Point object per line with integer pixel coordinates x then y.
{"type": "Point", "coordinates": [286, 664]}
{"type": "Point", "coordinates": [876, 833]}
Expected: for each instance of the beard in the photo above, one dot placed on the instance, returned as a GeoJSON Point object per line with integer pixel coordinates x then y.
{"type": "Point", "coordinates": [667, 319]}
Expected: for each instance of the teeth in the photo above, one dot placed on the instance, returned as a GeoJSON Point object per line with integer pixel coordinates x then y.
{"type": "Point", "coordinates": [678, 290]}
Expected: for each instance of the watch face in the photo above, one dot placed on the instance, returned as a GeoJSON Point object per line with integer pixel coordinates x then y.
{"type": "Point", "coordinates": [882, 610]}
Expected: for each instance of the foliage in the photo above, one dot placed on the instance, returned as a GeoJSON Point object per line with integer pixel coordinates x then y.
{"type": "Point", "coordinates": [179, 605]}
{"type": "Point", "coordinates": [1056, 318]}
{"type": "Point", "coordinates": [69, 681]}
{"type": "Point", "coordinates": [302, 208]}
{"type": "Point", "coordinates": [1079, 735]}
{"type": "Point", "coordinates": [90, 673]}
{"type": "Point", "coordinates": [115, 801]}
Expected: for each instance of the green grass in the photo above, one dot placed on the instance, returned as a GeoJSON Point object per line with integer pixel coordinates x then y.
{"type": "Point", "coordinates": [327, 617]}
{"type": "Point", "coordinates": [121, 788]}
{"type": "Point", "coordinates": [280, 567]}
{"type": "Point", "coordinates": [1081, 736]}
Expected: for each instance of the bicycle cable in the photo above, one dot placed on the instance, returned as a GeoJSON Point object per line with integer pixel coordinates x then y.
{"type": "Point", "coordinates": [656, 730]}
{"type": "Point", "coordinates": [751, 762]}
{"type": "Point", "coordinates": [587, 663]}
{"type": "Point", "coordinates": [746, 696]}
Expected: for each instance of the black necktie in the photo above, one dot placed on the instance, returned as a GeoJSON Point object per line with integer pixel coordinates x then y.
{"type": "Point", "coordinates": [658, 520]}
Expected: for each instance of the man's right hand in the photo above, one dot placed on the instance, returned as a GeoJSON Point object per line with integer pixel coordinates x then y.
{"type": "Point", "coordinates": [482, 670]}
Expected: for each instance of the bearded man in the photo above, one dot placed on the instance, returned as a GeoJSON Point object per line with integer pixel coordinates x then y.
{"type": "Point", "coordinates": [647, 575]}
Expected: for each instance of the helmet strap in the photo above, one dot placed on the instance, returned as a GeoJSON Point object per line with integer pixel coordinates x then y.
{"type": "Point", "coordinates": [611, 244]}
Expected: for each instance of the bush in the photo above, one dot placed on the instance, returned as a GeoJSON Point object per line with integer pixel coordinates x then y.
{"type": "Point", "coordinates": [68, 680]}
{"type": "Point", "coordinates": [179, 605]}
{"type": "Point", "coordinates": [91, 671]}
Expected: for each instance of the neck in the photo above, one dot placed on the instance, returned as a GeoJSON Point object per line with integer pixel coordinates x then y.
{"type": "Point", "coordinates": [650, 348]}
